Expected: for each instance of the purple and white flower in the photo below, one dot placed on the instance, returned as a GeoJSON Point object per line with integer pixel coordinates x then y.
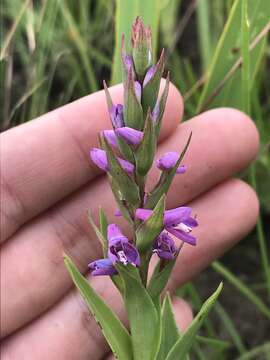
{"type": "Point", "coordinates": [176, 221]}
{"type": "Point", "coordinates": [164, 246]}
{"type": "Point", "coordinates": [120, 249]}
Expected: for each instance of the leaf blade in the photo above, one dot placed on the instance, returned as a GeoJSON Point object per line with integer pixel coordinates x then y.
{"type": "Point", "coordinates": [115, 333]}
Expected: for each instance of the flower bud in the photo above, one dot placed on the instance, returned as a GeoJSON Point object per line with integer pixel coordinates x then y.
{"type": "Point", "coordinates": [168, 161]}
{"type": "Point", "coordinates": [116, 115]}
{"type": "Point", "coordinates": [142, 49]}
{"type": "Point", "coordinates": [131, 136]}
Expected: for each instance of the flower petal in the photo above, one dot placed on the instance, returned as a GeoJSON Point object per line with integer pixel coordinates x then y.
{"type": "Point", "coordinates": [143, 214]}
{"type": "Point", "coordinates": [149, 74]}
{"type": "Point", "coordinates": [130, 135]}
{"type": "Point", "coordinates": [175, 216]}
{"type": "Point", "coordinates": [116, 115]}
{"type": "Point", "coordinates": [181, 169]}
{"type": "Point", "coordinates": [111, 137]}
{"type": "Point", "coordinates": [102, 267]}
{"type": "Point", "coordinates": [182, 235]}
{"type": "Point", "coordinates": [164, 246]}
{"type": "Point", "coordinates": [99, 157]}
{"type": "Point", "coordinates": [167, 161]}
{"type": "Point", "coordinates": [131, 253]}
{"type": "Point", "coordinates": [114, 234]}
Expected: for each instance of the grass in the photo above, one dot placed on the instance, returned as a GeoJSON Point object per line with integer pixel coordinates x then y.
{"type": "Point", "coordinates": [56, 51]}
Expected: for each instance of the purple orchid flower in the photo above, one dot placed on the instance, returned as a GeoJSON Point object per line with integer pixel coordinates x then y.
{"type": "Point", "coordinates": [120, 249]}
{"type": "Point", "coordinates": [102, 267]}
{"type": "Point", "coordinates": [164, 246]}
{"type": "Point", "coordinates": [177, 221]}
{"type": "Point", "coordinates": [168, 161]}
{"type": "Point", "coordinates": [130, 135]}
{"type": "Point", "coordinates": [99, 157]}
{"type": "Point", "coordinates": [116, 115]}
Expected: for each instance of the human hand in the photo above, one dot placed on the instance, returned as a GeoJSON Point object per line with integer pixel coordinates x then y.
{"type": "Point", "coordinates": [48, 184]}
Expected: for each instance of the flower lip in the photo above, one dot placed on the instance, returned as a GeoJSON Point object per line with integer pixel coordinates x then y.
{"type": "Point", "coordinates": [164, 246]}
{"type": "Point", "coordinates": [120, 249]}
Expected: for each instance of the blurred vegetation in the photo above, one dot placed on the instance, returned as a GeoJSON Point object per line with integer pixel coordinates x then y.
{"type": "Point", "coordinates": [53, 52]}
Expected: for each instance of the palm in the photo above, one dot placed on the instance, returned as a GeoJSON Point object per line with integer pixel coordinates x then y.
{"type": "Point", "coordinates": [48, 184]}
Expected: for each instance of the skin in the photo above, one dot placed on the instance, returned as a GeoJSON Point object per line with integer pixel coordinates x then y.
{"type": "Point", "coordinates": [47, 185]}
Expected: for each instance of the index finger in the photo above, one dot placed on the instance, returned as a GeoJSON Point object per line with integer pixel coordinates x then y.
{"type": "Point", "coordinates": [46, 159]}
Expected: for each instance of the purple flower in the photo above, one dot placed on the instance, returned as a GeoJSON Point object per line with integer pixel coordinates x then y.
{"type": "Point", "coordinates": [149, 74]}
{"type": "Point", "coordinates": [99, 157]}
{"type": "Point", "coordinates": [177, 221]}
{"type": "Point", "coordinates": [117, 212]}
{"type": "Point", "coordinates": [138, 90]}
{"type": "Point", "coordinates": [116, 115]}
{"type": "Point", "coordinates": [111, 138]}
{"type": "Point", "coordinates": [168, 161]}
{"type": "Point", "coordinates": [130, 135]}
{"type": "Point", "coordinates": [164, 246]}
{"type": "Point", "coordinates": [102, 267]}
{"type": "Point", "coordinates": [120, 249]}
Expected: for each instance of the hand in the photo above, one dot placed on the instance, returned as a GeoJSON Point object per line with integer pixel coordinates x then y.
{"type": "Point", "coordinates": [48, 183]}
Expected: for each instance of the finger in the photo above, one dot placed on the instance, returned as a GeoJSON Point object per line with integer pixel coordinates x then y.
{"type": "Point", "coordinates": [71, 332]}
{"type": "Point", "coordinates": [50, 159]}
{"type": "Point", "coordinates": [182, 313]}
{"type": "Point", "coordinates": [229, 146]}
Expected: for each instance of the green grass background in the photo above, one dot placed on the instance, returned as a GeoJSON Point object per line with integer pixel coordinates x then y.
{"type": "Point", "coordinates": [218, 54]}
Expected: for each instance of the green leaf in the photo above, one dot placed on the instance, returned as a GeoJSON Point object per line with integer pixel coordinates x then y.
{"type": "Point", "coordinates": [151, 228]}
{"type": "Point", "coordinates": [165, 181]}
{"type": "Point", "coordinates": [146, 151]}
{"type": "Point", "coordinates": [227, 53]}
{"type": "Point", "coordinates": [115, 333]}
{"type": "Point", "coordinates": [169, 331]}
{"type": "Point", "coordinates": [162, 104]}
{"type": "Point", "coordinates": [183, 345]}
{"type": "Point", "coordinates": [133, 112]}
{"type": "Point", "coordinates": [160, 277]}
{"type": "Point", "coordinates": [101, 236]}
{"type": "Point", "coordinates": [151, 89]}
{"type": "Point", "coordinates": [103, 223]}
{"type": "Point", "coordinates": [126, 185]}
{"type": "Point", "coordinates": [126, 12]}
{"type": "Point", "coordinates": [142, 314]}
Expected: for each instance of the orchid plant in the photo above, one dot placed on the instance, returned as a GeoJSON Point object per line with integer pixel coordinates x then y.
{"type": "Point", "coordinates": [127, 154]}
